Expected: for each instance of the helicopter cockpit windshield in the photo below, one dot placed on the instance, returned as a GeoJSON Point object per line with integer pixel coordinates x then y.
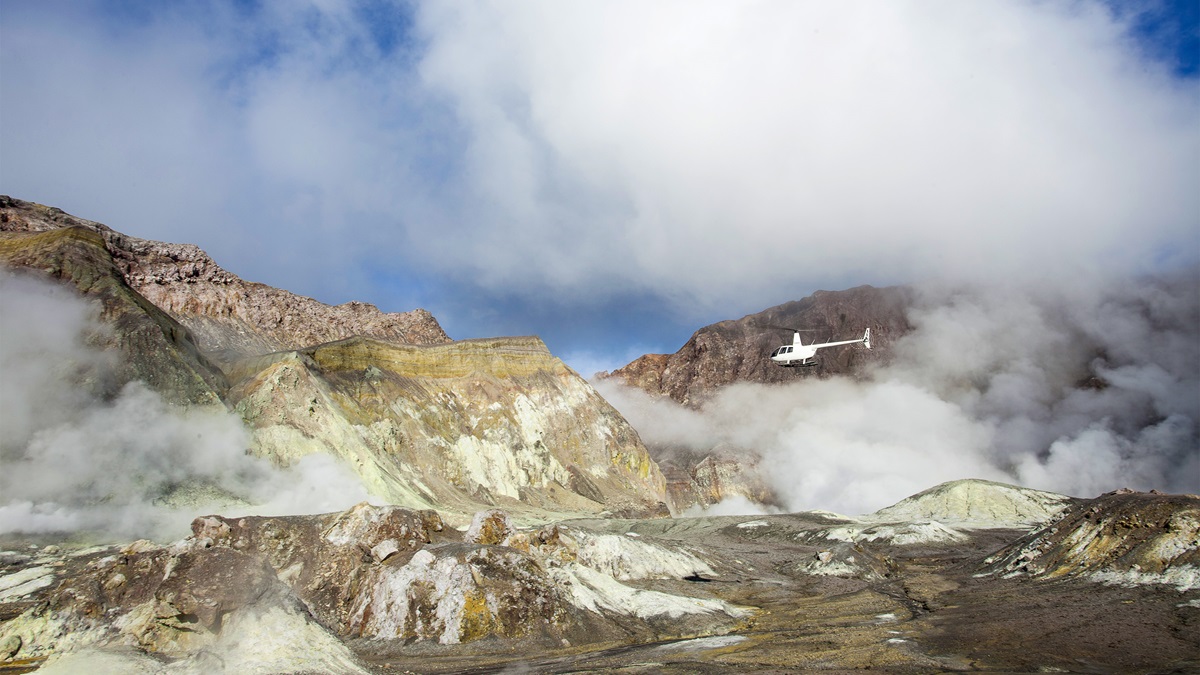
{"type": "Point", "coordinates": [786, 349]}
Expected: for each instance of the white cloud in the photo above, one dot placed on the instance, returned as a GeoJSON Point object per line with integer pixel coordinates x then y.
{"type": "Point", "coordinates": [720, 148]}
{"type": "Point", "coordinates": [700, 152]}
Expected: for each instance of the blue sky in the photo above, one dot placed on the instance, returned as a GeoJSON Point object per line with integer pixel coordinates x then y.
{"type": "Point", "coordinates": [612, 176]}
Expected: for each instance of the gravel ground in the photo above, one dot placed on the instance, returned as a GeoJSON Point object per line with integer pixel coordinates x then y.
{"type": "Point", "coordinates": [917, 608]}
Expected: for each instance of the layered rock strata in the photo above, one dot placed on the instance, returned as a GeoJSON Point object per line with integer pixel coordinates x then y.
{"type": "Point", "coordinates": [461, 425]}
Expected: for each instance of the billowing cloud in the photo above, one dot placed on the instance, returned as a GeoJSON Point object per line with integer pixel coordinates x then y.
{"type": "Point", "coordinates": [1078, 391]}
{"type": "Point", "coordinates": [711, 150]}
{"type": "Point", "coordinates": [703, 153]}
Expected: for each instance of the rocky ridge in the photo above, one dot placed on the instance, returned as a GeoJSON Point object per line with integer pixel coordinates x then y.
{"type": "Point", "coordinates": [153, 347]}
{"type": "Point", "coordinates": [1121, 538]}
{"type": "Point", "coordinates": [736, 351]}
{"type": "Point", "coordinates": [976, 503]}
{"type": "Point", "coordinates": [310, 585]}
{"type": "Point", "coordinates": [226, 315]}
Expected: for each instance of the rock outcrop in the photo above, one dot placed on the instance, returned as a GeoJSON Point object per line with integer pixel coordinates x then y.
{"type": "Point", "coordinates": [153, 346]}
{"type": "Point", "coordinates": [1122, 537]}
{"type": "Point", "coordinates": [737, 351]}
{"type": "Point", "coordinates": [209, 608]}
{"type": "Point", "coordinates": [226, 316]}
{"type": "Point", "coordinates": [387, 589]}
{"type": "Point", "coordinates": [460, 426]}
{"type": "Point", "coordinates": [946, 513]}
{"type": "Point", "coordinates": [978, 504]}
{"type": "Point", "coordinates": [286, 594]}
{"type": "Point", "coordinates": [702, 480]}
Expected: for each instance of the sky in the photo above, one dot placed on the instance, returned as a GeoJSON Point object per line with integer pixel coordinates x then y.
{"type": "Point", "coordinates": [612, 176]}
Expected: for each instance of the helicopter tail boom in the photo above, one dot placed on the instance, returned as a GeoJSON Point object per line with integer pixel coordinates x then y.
{"type": "Point", "coordinates": [799, 354]}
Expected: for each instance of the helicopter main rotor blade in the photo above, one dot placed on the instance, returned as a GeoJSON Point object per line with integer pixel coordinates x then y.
{"type": "Point", "coordinates": [795, 330]}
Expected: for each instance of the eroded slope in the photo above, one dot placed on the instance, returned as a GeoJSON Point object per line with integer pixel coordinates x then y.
{"type": "Point", "coordinates": [153, 347]}
{"type": "Point", "coordinates": [461, 426]}
{"type": "Point", "coordinates": [424, 421]}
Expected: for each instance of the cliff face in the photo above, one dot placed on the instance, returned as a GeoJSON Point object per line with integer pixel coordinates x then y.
{"type": "Point", "coordinates": [459, 426]}
{"type": "Point", "coordinates": [702, 480]}
{"type": "Point", "coordinates": [423, 420]}
{"type": "Point", "coordinates": [738, 351]}
{"type": "Point", "coordinates": [227, 316]}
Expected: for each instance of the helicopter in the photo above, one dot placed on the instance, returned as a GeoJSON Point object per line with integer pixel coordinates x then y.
{"type": "Point", "coordinates": [799, 354]}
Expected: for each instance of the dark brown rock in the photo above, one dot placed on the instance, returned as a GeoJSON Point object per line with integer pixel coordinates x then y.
{"type": "Point", "coordinates": [738, 351]}
{"type": "Point", "coordinates": [323, 557]}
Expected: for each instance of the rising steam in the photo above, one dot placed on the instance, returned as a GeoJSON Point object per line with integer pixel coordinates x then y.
{"type": "Point", "coordinates": [79, 453]}
{"type": "Point", "coordinates": [1075, 390]}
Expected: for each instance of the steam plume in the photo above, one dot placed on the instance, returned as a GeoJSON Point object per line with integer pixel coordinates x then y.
{"type": "Point", "coordinates": [1078, 390]}
{"type": "Point", "coordinates": [80, 454]}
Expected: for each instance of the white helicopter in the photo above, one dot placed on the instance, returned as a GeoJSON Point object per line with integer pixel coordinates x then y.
{"type": "Point", "coordinates": [799, 354]}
